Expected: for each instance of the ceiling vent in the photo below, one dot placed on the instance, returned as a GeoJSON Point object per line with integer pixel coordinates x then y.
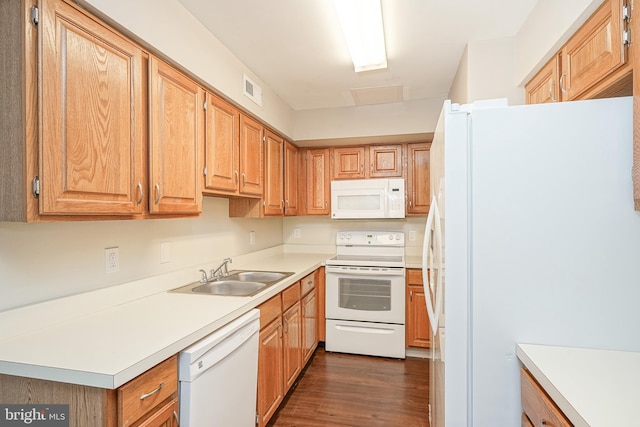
{"type": "Point", "coordinates": [251, 90]}
{"type": "Point", "coordinates": [377, 95]}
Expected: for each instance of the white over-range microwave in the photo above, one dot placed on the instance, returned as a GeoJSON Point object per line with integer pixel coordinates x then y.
{"type": "Point", "coordinates": [367, 198]}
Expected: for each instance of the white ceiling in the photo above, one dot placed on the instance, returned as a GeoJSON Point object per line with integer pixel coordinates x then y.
{"type": "Point", "coordinates": [296, 48]}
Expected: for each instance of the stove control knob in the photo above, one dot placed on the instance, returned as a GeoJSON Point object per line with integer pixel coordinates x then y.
{"type": "Point", "coordinates": [397, 237]}
{"type": "Point", "coordinates": [390, 236]}
{"type": "Point", "coordinates": [348, 236]}
{"type": "Point", "coordinates": [341, 236]}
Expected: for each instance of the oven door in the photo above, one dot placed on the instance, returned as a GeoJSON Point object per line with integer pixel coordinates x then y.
{"type": "Point", "coordinates": [368, 294]}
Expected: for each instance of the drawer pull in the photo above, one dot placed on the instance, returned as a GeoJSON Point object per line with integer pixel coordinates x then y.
{"type": "Point", "coordinates": [175, 415]}
{"type": "Point", "coordinates": [144, 396]}
{"type": "Point", "coordinates": [546, 423]}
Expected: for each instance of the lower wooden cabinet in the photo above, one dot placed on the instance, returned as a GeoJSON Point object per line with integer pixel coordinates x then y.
{"type": "Point", "coordinates": [538, 408]}
{"type": "Point", "coordinates": [270, 364]}
{"type": "Point", "coordinates": [149, 400]}
{"type": "Point", "coordinates": [288, 337]}
{"type": "Point", "coordinates": [418, 331]}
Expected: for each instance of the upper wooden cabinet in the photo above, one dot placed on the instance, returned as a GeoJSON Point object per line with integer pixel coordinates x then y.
{"type": "Point", "coordinates": [367, 161]}
{"type": "Point", "coordinates": [544, 86]}
{"type": "Point", "coordinates": [233, 151]}
{"type": "Point", "coordinates": [418, 193]}
{"type": "Point", "coordinates": [222, 147]}
{"type": "Point", "coordinates": [251, 156]}
{"type": "Point", "coordinates": [349, 162]}
{"type": "Point", "coordinates": [594, 63]}
{"type": "Point", "coordinates": [291, 177]}
{"type": "Point", "coordinates": [92, 137]}
{"type": "Point", "coordinates": [595, 51]}
{"type": "Point", "coordinates": [315, 195]}
{"type": "Point", "coordinates": [273, 174]}
{"type": "Point", "coordinates": [85, 157]}
{"type": "Point", "coordinates": [385, 161]}
{"type": "Point", "coordinates": [176, 137]}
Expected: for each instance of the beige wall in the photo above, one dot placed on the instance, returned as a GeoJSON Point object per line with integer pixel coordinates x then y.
{"type": "Point", "coordinates": [459, 92]}
{"type": "Point", "coordinates": [487, 71]}
{"type": "Point", "coordinates": [48, 260]}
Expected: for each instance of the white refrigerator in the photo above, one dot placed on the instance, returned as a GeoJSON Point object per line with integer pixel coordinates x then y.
{"type": "Point", "coordinates": [538, 243]}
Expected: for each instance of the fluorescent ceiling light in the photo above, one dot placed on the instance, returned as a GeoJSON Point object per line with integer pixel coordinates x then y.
{"type": "Point", "coordinates": [361, 22]}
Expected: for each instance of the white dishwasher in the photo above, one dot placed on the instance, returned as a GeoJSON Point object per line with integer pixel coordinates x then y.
{"type": "Point", "coordinates": [218, 376]}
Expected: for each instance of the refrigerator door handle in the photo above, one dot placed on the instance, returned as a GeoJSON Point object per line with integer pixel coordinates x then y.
{"type": "Point", "coordinates": [426, 265]}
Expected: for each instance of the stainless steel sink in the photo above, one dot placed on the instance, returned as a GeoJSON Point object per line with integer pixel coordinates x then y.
{"type": "Point", "coordinates": [257, 276]}
{"type": "Point", "coordinates": [230, 287]}
{"type": "Point", "coordinates": [241, 283]}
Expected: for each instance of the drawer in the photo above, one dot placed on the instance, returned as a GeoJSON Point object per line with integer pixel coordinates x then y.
{"type": "Point", "coordinates": [290, 296]}
{"type": "Point", "coordinates": [309, 283]}
{"type": "Point", "coordinates": [537, 405]}
{"type": "Point", "coordinates": [143, 393]}
{"type": "Point", "coordinates": [270, 310]}
{"type": "Point", "coordinates": [414, 276]}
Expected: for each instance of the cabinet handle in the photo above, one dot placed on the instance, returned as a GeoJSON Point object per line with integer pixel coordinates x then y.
{"type": "Point", "coordinates": [286, 323]}
{"type": "Point", "coordinates": [410, 295]}
{"type": "Point", "coordinates": [144, 396]}
{"type": "Point", "coordinates": [361, 168]}
{"type": "Point", "coordinates": [141, 192]}
{"type": "Point", "coordinates": [553, 99]}
{"type": "Point", "coordinates": [562, 89]}
{"type": "Point", "coordinates": [175, 415]}
{"type": "Point", "coordinates": [280, 327]}
{"type": "Point", "coordinates": [282, 204]}
{"type": "Point", "coordinates": [157, 188]}
{"type": "Point", "coordinates": [546, 423]}
{"type": "Point", "coordinates": [236, 172]}
{"type": "Point", "coordinates": [371, 168]}
{"type": "Point", "coordinates": [326, 205]}
{"type": "Point", "coordinates": [244, 178]}
{"type": "Point", "coordinates": [410, 204]}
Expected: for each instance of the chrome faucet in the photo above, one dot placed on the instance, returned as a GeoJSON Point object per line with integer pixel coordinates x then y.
{"type": "Point", "coordinates": [222, 270]}
{"type": "Point", "coordinates": [203, 277]}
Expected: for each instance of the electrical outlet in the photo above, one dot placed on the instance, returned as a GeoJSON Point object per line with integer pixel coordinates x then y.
{"type": "Point", "coordinates": [412, 235]}
{"type": "Point", "coordinates": [165, 253]}
{"type": "Point", "coordinates": [252, 237]}
{"type": "Point", "coordinates": [297, 234]}
{"type": "Point", "coordinates": [112, 259]}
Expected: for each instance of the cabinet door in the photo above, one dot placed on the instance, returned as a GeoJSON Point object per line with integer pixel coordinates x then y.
{"type": "Point", "coordinates": [385, 161]}
{"type": "Point", "coordinates": [166, 416]}
{"type": "Point", "coordinates": [222, 154]}
{"type": "Point", "coordinates": [318, 184]}
{"type": "Point", "coordinates": [176, 112]}
{"type": "Point", "coordinates": [309, 325]}
{"type": "Point", "coordinates": [349, 162]}
{"type": "Point", "coordinates": [251, 156]}
{"type": "Point", "coordinates": [292, 344]}
{"type": "Point", "coordinates": [544, 87]}
{"type": "Point", "coordinates": [418, 193]}
{"type": "Point", "coordinates": [92, 140]}
{"type": "Point", "coordinates": [273, 174]}
{"type": "Point", "coordinates": [594, 51]}
{"type": "Point", "coordinates": [270, 371]}
{"type": "Point", "coordinates": [418, 330]}
{"type": "Point", "coordinates": [291, 178]}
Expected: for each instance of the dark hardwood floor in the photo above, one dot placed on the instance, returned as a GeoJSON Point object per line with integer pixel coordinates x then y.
{"type": "Point", "coordinates": [348, 390]}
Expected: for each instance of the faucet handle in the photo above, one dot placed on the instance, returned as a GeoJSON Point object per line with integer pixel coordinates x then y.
{"type": "Point", "coordinates": [203, 276]}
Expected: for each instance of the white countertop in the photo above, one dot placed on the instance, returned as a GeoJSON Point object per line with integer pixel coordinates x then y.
{"type": "Point", "coordinates": [108, 337]}
{"type": "Point", "coordinates": [596, 388]}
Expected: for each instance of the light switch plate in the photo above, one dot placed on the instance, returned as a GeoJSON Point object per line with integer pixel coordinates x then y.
{"type": "Point", "coordinates": [412, 235]}
{"type": "Point", "coordinates": [165, 252]}
{"type": "Point", "coordinates": [297, 234]}
{"type": "Point", "coordinates": [252, 237]}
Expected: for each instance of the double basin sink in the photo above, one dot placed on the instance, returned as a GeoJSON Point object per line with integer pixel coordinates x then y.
{"type": "Point", "coordinates": [241, 283]}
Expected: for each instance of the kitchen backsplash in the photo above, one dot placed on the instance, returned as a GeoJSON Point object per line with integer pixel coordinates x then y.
{"type": "Point", "coordinates": [43, 261]}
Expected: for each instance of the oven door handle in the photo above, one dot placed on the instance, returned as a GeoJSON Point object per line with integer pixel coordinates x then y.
{"type": "Point", "coordinates": [365, 272]}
